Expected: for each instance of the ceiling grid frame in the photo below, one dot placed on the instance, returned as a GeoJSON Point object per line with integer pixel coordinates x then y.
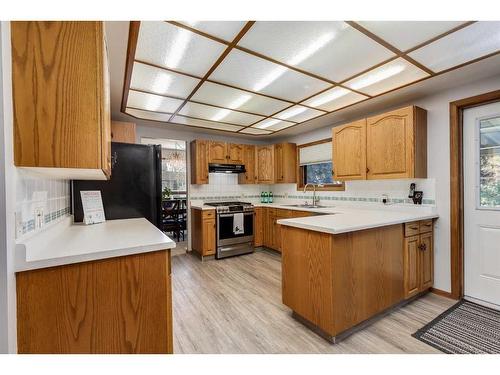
{"type": "Point", "coordinates": [133, 39]}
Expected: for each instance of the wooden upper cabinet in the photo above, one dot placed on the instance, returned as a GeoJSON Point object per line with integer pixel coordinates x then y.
{"type": "Point", "coordinates": [217, 152]}
{"type": "Point", "coordinates": [123, 132]}
{"type": "Point", "coordinates": [349, 151]}
{"type": "Point", "coordinates": [199, 161]}
{"type": "Point", "coordinates": [61, 103]}
{"type": "Point", "coordinates": [397, 144]}
{"type": "Point", "coordinates": [235, 153]}
{"type": "Point", "coordinates": [285, 162]}
{"type": "Point", "coordinates": [265, 164]}
{"type": "Point", "coordinates": [249, 176]}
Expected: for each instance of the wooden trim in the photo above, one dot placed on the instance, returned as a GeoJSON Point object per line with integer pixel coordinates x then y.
{"type": "Point", "coordinates": [441, 293]}
{"type": "Point", "coordinates": [300, 170]}
{"type": "Point", "coordinates": [133, 35]}
{"type": "Point", "coordinates": [221, 58]}
{"type": "Point", "coordinates": [457, 188]}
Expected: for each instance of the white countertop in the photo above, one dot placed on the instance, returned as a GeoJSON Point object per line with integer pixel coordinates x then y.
{"type": "Point", "coordinates": [343, 219]}
{"type": "Point", "coordinates": [67, 243]}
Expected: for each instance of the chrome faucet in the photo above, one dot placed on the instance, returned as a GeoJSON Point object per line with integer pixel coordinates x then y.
{"type": "Point", "coordinates": [315, 199]}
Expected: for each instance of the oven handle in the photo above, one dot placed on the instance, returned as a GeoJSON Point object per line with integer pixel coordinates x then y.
{"type": "Point", "coordinates": [232, 214]}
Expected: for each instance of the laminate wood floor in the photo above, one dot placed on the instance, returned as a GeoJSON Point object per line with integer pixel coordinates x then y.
{"type": "Point", "coordinates": [234, 306]}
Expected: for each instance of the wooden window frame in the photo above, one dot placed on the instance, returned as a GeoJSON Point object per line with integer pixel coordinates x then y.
{"type": "Point", "coordinates": [300, 170]}
{"type": "Point", "coordinates": [457, 186]}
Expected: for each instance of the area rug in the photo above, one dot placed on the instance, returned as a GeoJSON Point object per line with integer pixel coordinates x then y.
{"type": "Point", "coordinates": [465, 328]}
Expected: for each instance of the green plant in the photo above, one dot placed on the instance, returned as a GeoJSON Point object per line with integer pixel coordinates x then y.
{"type": "Point", "coordinates": [166, 193]}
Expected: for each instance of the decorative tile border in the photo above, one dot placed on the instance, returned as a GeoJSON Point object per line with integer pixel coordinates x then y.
{"type": "Point", "coordinates": [29, 226]}
{"type": "Point", "coordinates": [408, 201]}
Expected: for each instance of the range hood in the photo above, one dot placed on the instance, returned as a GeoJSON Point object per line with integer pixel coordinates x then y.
{"type": "Point", "coordinates": [226, 168]}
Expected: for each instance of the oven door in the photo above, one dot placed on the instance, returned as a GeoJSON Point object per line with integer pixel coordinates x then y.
{"type": "Point", "coordinates": [225, 234]}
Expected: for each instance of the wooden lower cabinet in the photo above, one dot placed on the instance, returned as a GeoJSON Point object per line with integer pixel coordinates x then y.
{"type": "Point", "coordinates": [335, 282]}
{"type": "Point", "coordinates": [268, 228]}
{"type": "Point", "coordinates": [418, 257]}
{"type": "Point", "coordinates": [258, 226]}
{"type": "Point", "coordinates": [115, 305]}
{"type": "Point", "coordinates": [203, 231]}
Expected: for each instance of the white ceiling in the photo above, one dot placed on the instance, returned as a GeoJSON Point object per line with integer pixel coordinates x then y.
{"type": "Point", "coordinates": [210, 105]}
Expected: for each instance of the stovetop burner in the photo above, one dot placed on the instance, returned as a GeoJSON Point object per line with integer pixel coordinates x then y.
{"type": "Point", "coordinates": [220, 204]}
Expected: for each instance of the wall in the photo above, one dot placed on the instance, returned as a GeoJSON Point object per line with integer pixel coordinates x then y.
{"type": "Point", "coordinates": [438, 168]}
{"type": "Point", "coordinates": [8, 178]}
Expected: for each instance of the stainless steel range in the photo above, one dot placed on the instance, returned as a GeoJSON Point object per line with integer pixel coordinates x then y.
{"type": "Point", "coordinates": [235, 232]}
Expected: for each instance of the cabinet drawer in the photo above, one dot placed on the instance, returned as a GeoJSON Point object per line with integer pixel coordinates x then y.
{"type": "Point", "coordinates": [412, 229]}
{"type": "Point", "coordinates": [426, 226]}
{"type": "Point", "coordinates": [208, 214]}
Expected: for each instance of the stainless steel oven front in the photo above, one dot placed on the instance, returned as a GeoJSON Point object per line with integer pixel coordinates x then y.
{"type": "Point", "coordinates": [229, 243]}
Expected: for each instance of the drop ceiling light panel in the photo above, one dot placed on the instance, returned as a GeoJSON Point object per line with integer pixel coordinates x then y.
{"type": "Point", "coordinates": [154, 116]}
{"type": "Point", "coordinates": [243, 70]}
{"type": "Point", "coordinates": [469, 43]}
{"type": "Point", "coordinates": [205, 124]}
{"type": "Point", "coordinates": [218, 114]}
{"type": "Point", "coordinates": [164, 44]}
{"type": "Point", "coordinates": [332, 50]}
{"type": "Point", "coordinates": [226, 30]}
{"type": "Point", "coordinates": [407, 34]}
{"type": "Point", "coordinates": [273, 124]}
{"type": "Point", "coordinates": [389, 76]}
{"type": "Point", "coordinates": [159, 81]}
{"type": "Point", "coordinates": [298, 113]}
{"type": "Point", "coordinates": [151, 102]}
{"type": "Point", "coordinates": [228, 97]}
{"type": "Point", "coordinates": [335, 98]}
{"type": "Point", "coordinates": [255, 131]}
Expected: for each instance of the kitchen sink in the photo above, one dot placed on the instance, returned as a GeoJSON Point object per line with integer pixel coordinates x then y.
{"type": "Point", "coordinates": [306, 205]}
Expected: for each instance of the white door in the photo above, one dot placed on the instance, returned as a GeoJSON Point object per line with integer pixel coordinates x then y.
{"type": "Point", "coordinates": [482, 204]}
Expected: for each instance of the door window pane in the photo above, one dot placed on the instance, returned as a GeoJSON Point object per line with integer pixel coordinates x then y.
{"type": "Point", "coordinates": [489, 163]}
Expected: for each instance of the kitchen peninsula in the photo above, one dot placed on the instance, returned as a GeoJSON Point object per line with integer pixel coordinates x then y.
{"type": "Point", "coordinates": [341, 270]}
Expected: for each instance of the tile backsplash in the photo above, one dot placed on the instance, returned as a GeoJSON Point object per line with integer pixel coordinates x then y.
{"type": "Point", "coordinates": [225, 186]}
{"type": "Point", "coordinates": [39, 202]}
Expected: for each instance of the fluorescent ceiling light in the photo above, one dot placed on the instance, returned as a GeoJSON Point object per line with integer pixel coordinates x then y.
{"type": "Point", "coordinates": [242, 99]}
{"type": "Point", "coordinates": [153, 102]}
{"type": "Point", "coordinates": [267, 123]}
{"type": "Point", "coordinates": [334, 94]}
{"type": "Point", "coordinates": [220, 115]}
{"type": "Point", "coordinates": [270, 78]}
{"type": "Point", "coordinates": [178, 48]}
{"type": "Point", "coordinates": [162, 83]}
{"type": "Point", "coordinates": [291, 112]}
{"type": "Point", "coordinates": [377, 76]}
{"type": "Point", "coordinates": [297, 59]}
{"type": "Point", "coordinates": [314, 47]}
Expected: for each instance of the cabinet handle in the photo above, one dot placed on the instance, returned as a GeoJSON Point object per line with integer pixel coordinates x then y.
{"type": "Point", "coordinates": [333, 172]}
{"type": "Point", "coordinates": [422, 247]}
{"type": "Point", "coordinates": [414, 228]}
{"type": "Point", "coordinates": [367, 169]}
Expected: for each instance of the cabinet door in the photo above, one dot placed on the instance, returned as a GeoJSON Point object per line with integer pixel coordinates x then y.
{"type": "Point", "coordinates": [265, 164]}
{"type": "Point", "coordinates": [278, 163]}
{"type": "Point", "coordinates": [235, 153]}
{"type": "Point", "coordinates": [426, 261]}
{"type": "Point", "coordinates": [349, 151]}
{"type": "Point", "coordinates": [249, 161]}
{"type": "Point", "coordinates": [208, 236]}
{"type": "Point", "coordinates": [258, 227]}
{"type": "Point", "coordinates": [199, 162]}
{"type": "Point", "coordinates": [389, 140]}
{"type": "Point", "coordinates": [123, 132]}
{"type": "Point", "coordinates": [411, 266]}
{"type": "Point", "coordinates": [218, 153]}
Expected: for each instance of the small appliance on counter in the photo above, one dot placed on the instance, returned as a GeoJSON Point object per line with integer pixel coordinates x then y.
{"type": "Point", "coordinates": [235, 232]}
{"type": "Point", "coordinates": [134, 189]}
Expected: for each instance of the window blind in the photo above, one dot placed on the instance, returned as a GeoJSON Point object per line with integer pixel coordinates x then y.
{"type": "Point", "coordinates": [320, 153]}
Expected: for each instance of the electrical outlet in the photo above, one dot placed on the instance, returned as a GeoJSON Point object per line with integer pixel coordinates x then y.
{"type": "Point", "coordinates": [39, 217]}
{"type": "Point", "coordinates": [286, 194]}
{"type": "Point", "coordinates": [19, 224]}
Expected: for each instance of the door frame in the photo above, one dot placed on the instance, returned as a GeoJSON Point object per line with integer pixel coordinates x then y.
{"type": "Point", "coordinates": [457, 186]}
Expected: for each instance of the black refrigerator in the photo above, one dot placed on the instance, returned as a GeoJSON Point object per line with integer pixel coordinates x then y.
{"type": "Point", "coordinates": [134, 189]}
